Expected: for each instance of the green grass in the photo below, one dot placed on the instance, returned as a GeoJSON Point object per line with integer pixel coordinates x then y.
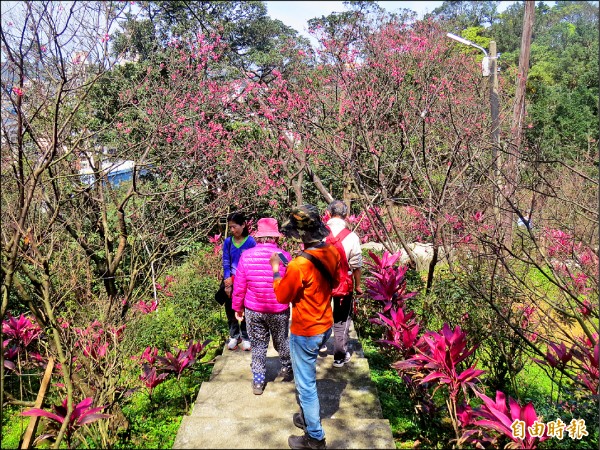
{"type": "Point", "coordinates": [13, 426]}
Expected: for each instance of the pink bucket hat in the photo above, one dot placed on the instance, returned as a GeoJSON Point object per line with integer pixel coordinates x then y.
{"type": "Point", "coordinates": [267, 227]}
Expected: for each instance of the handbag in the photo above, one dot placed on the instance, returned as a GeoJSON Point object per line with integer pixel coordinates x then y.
{"type": "Point", "coordinates": [221, 296]}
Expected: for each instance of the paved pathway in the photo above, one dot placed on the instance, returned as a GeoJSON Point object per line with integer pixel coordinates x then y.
{"type": "Point", "coordinates": [227, 415]}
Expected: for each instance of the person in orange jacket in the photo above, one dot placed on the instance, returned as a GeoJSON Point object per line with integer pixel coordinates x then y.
{"type": "Point", "coordinates": [307, 285]}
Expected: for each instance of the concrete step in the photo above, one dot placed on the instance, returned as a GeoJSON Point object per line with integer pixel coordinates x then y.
{"type": "Point", "coordinates": [254, 433]}
{"type": "Point", "coordinates": [338, 399]}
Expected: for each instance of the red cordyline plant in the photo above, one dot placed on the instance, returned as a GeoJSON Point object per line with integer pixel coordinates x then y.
{"type": "Point", "coordinates": [147, 308]}
{"type": "Point", "coordinates": [83, 414]}
{"type": "Point", "coordinates": [388, 286]}
{"type": "Point", "coordinates": [10, 353]}
{"type": "Point", "coordinates": [584, 355]}
{"type": "Point", "coordinates": [402, 330]}
{"type": "Point", "coordinates": [587, 356]}
{"type": "Point", "coordinates": [184, 359]}
{"type": "Point", "coordinates": [388, 283]}
{"type": "Point", "coordinates": [96, 339]}
{"type": "Point", "coordinates": [514, 422]}
{"type": "Point", "coordinates": [153, 375]}
{"type": "Point", "coordinates": [437, 360]}
{"type": "Point", "coordinates": [558, 357]}
{"type": "Point", "coordinates": [21, 331]}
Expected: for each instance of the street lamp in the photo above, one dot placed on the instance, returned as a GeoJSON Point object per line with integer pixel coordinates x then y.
{"type": "Point", "coordinates": [485, 64]}
{"type": "Point", "coordinates": [489, 66]}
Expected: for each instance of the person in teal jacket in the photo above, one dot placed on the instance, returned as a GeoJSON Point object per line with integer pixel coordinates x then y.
{"type": "Point", "coordinates": [238, 242]}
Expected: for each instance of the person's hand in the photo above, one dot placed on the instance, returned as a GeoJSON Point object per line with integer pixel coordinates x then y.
{"type": "Point", "coordinates": [274, 260]}
{"type": "Point", "coordinates": [239, 315]}
{"type": "Point", "coordinates": [228, 290]}
{"type": "Point", "coordinates": [358, 290]}
{"type": "Point", "coordinates": [228, 281]}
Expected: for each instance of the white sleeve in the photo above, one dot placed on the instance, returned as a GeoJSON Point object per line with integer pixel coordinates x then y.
{"type": "Point", "coordinates": [353, 252]}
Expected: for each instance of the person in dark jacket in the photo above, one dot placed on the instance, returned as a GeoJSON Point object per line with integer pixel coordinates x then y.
{"type": "Point", "coordinates": [233, 247]}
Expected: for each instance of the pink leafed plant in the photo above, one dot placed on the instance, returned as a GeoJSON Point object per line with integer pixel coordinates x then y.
{"type": "Point", "coordinates": [402, 330]}
{"type": "Point", "coordinates": [587, 357]}
{"type": "Point", "coordinates": [146, 308]}
{"type": "Point", "coordinates": [438, 357]}
{"type": "Point", "coordinates": [183, 359]}
{"type": "Point", "coordinates": [387, 283]}
{"type": "Point", "coordinates": [149, 355]}
{"type": "Point", "coordinates": [83, 414]}
{"type": "Point", "coordinates": [437, 361]}
{"type": "Point", "coordinates": [559, 355]}
{"type": "Point", "coordinates": [151, 377]}
{"type": "Point", "coordinates": [22, 330]}
{"type": "Point", "coordinates": [10, 353]}
{"type": "Point", "coordinates": [495, 416]}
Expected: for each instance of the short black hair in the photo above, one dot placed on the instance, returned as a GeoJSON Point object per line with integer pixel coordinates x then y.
{"type": "Point", "coordinates": [240, 219]}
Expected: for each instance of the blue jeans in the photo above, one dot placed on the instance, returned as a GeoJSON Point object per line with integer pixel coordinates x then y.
{"type": "Point", "coordinates": [304, 351]}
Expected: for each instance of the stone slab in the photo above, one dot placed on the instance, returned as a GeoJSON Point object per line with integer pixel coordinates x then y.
{"type": "Point", "coordinates": [337, 398]}
{"type": "Point", "coordinates": [235, 366]}
{"type": "Point", "coordinates": [228, 433]}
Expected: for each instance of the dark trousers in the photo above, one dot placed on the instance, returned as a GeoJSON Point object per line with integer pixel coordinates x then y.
{"type": "Point", "coordinates": [236, 329]}
{"type": "Point", "coordinates": [342, 306]}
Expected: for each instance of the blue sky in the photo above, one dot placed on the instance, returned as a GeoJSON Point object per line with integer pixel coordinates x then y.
{"type": "Point", "coordinates": [297, 13]}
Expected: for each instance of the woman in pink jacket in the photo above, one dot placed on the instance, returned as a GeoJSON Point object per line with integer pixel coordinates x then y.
{"type": "Point", "coordinates": [254, 298]}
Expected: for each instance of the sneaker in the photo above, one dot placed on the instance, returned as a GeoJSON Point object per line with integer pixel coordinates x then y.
{"type": "Point", "coordinates": [286, 373]}
{"type": "Point", "coordinates": [299, 421]}
{"type": "Point", "coordinates": [246, 346]}
{"type": "Point", "coordinates": [323, 350]}
{"type": "Point", "coordinates": [258, 388]}
{"type": "Point", "coordinates": [233, 343]}
{"type": "Point", "coordinates": [306, 441]}
{"type": "Point", "coordinates": [341, 362]}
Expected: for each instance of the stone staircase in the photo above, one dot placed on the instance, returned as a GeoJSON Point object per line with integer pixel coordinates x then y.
{"type": "Point", "coordinates": [227, 415]}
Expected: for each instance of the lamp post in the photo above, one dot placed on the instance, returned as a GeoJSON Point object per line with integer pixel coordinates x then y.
{"type": "Point", "coordinates": [489, 65]}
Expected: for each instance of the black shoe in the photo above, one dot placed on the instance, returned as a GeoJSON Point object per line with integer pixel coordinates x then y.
{"type": "Point", "coordinates": [305, 441]}
{"type": "Point", "coordinates": [258, 388]}
{"type": "Point", "coordinates": [286, 373]}
{"type": "Point", "coordinates": [341, 362]}
{"type": "Point", "coordinates": [299, 421]}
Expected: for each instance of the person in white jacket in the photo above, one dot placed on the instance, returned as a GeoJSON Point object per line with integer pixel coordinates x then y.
{"type": "Point", "coordinates": [342, 306]}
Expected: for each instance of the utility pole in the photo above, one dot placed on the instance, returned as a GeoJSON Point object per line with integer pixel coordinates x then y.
{"type": "Point", "coordinates": [516, 129]}
{"type": "Point", "coordinates": [495, 112]}
{"type": "Point", "coordinates": [490, 67]}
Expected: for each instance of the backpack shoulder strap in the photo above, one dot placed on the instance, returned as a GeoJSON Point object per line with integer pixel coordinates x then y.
{"type": "Point", "coordinates": [319, 265]}
{"type": "Point", "coordinates": [342, 234]}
